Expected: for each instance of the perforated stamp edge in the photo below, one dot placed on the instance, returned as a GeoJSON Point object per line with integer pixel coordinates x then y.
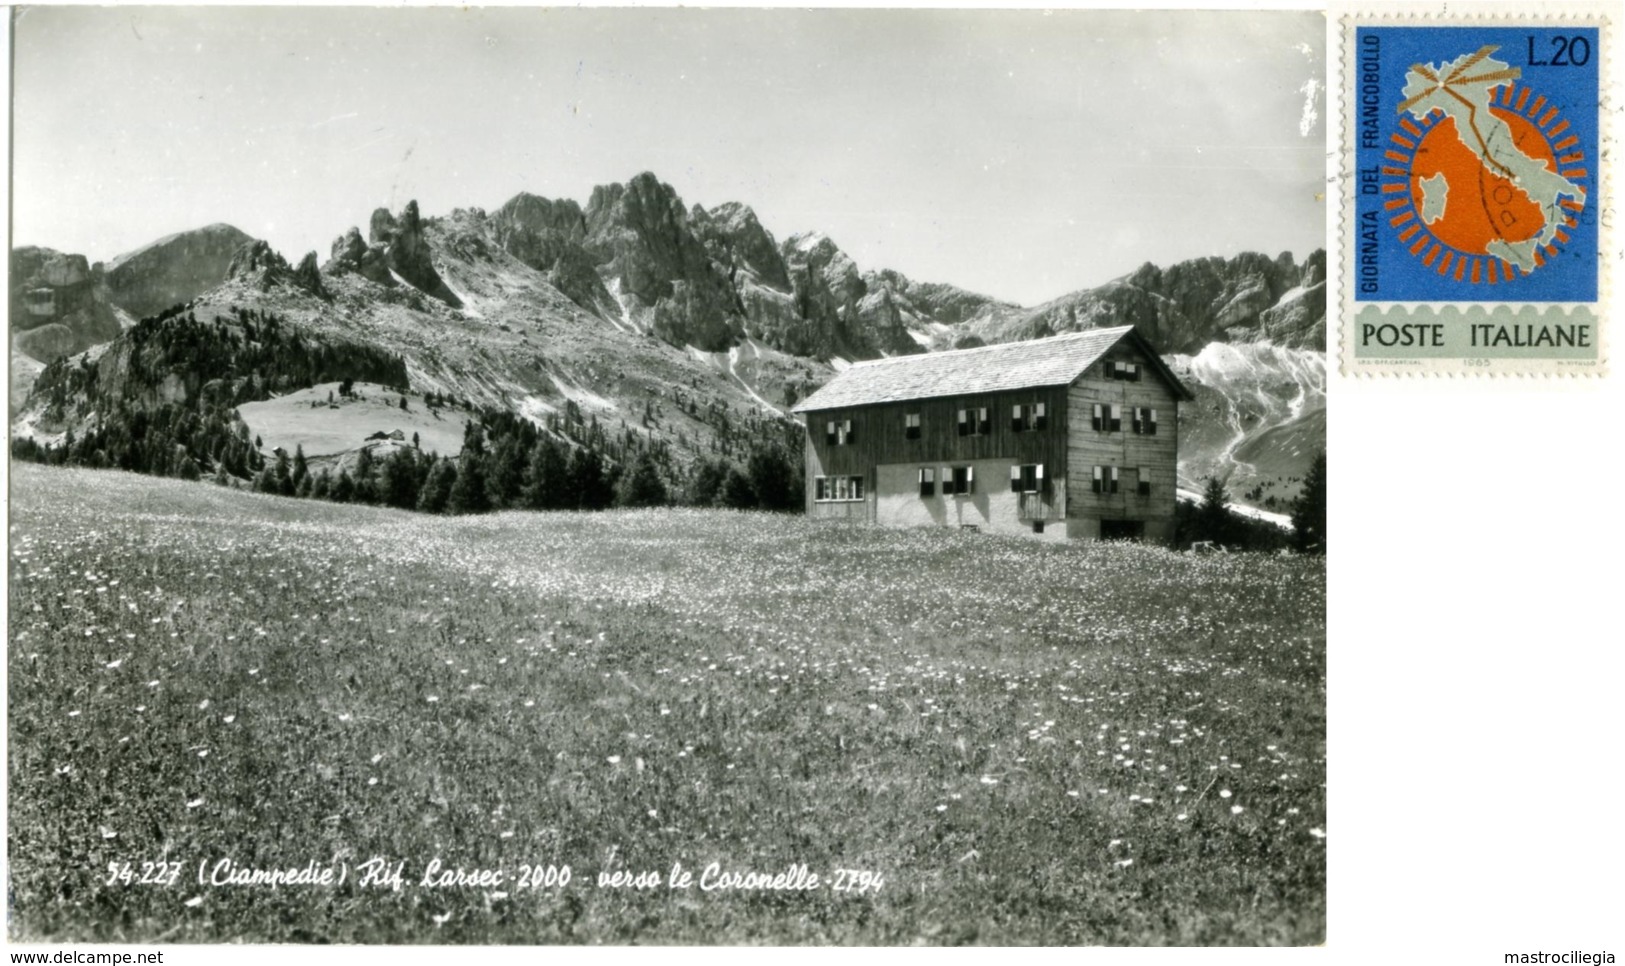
{"type": "Point", "coordinates": [1498, 15]}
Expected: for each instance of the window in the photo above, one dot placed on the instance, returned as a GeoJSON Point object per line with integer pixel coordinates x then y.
{"type": "Point", "coordinates": [839, 433]}
{"type": "Point", "coordinates": [1108, 418]}
{"type": "Point", "coordinates": [911, 426]}
{"type": "Point", "coordinates": [962, 480]}
{"type": "Point", "coordinates": [1126, 371]}
{"type": "Point", "coordinates": [1145, 421]}
{"type": "Point", "coordinates": [1027, 478]}
{"type": "Point", "coordinates": [1105, 480]}
{"type": "Point", "coordinates": [928, 482]}
{"type": "Point", "coordinates": [1142, 481]}
{"type": "Point", "coordinates": [975, 422]}
{"type": "Point", "coordinates": [1038, 526]}
{"type": "Point", "coordinates": [837, 489]}
{"type": "Point", "coordinates": [1028, 417]}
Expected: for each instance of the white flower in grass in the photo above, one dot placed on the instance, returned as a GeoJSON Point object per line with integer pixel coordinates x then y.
{"type": "Point", "coordinates": [1181, 817]}
{"type": "Point", "coordinates": [230, 718]}
{"type": "Point", "coordinates": [108, 833]}
{"type": "Point", "coordinates": [1318, 833]}
{"type": "Point", "coordinates": [1224, 793]}
{"type": "Point", "coordinates": [194, 803]}
{"type": "Point", "coordinates": [614, 759]}
{"type": "Point", "coordinates": [1236, 810]}
{"type": "Point", "coordinates": [194, 902]}
{"type": "Point", "coordinates": [114, 665]}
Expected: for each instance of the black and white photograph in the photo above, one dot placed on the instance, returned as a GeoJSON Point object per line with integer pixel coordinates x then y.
{"type": "Point", "coordinates": [667, 476]}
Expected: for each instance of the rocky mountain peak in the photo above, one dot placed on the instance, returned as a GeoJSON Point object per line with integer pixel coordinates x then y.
{"type": "Point", "coordinates": [258, 259]}
{"type": "Point", "coordinates": [528, 212]}
{"type": "Point", "coordinates": [404, 250]}
{"type": "Point", "coordinates": [173, 269]}
{"type": "Point", "coordinates": [261, 267]}
{"type": "Point", "coordinates": [738, 242]}
{"type": "Point", "coordinates": [639, 236]}
{"type": "Point", "coordinates": [58, 305]}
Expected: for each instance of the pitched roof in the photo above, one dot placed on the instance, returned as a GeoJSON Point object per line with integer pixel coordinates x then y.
{"type": "Point", "coordinates": [1055, 361]}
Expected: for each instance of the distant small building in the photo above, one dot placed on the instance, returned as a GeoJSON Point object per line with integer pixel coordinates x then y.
{"type": "Point", "coordinates": [1070, 437]}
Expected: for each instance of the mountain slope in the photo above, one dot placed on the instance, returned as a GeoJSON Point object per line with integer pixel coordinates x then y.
{"type": "Point", "coordinates": [172, 269]}
{"type": "Point", "coordinates": [691, 327]}
{"type": "Point", "coordinates": [1186, 306]}
{"type": "Point", "coordinates": [1258, 419]}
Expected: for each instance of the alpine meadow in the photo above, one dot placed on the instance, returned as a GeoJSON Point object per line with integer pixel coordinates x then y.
{"type": "Point", "coordinates": [1100, 743]}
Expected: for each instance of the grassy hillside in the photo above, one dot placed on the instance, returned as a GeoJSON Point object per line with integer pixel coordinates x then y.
{"type": "Point", "coordinates": [306, 418]}
{"type": "Point", "coordinates": [1028, 743]}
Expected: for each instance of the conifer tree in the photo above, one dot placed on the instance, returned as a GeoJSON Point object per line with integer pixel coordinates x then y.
{"type": "Point", "coordinates": [1309, 509]}
{"type": "Point", "coordinates": [642, 485]}
{"type": "Point", "coordinates": [546, 484]}
{"type": "Point", "coordinates": [1213, 520]}
{"type": "Point", "coordinates": [468, 493]}
{"type": "Point", "coordinates": [736, 491]}
{"type": "Point", "coordinates": [343, 490]}
{"type": "Point", "coordinates": [436, 491]}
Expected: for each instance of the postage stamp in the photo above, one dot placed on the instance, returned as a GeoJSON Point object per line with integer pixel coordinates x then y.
{"type": "Point", "coordinates": [1475, 207]}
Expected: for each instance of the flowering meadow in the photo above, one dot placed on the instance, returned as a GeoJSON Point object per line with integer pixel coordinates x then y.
{"type": "Point", "coordinates": [1023, 742]}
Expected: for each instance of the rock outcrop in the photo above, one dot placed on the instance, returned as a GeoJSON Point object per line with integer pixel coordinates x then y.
{"type": "Point", "coordinates": [739, 243]}
{"type": "Point", "coordinates": [262, 267]}
{"type": "Point", "coordinates": [548, 236]}
{"type": "Point", "coordinates": [407, 252]}
{"type": "Point", "coordinates": [59, 303]}
{"type": "Point", "coordinates": [173, 269]}
{"type": "Point", "coordinates": [639, 236]}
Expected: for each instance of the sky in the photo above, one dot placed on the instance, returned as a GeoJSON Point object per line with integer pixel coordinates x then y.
{"type": "Point", "coordinates": [1022, 154]}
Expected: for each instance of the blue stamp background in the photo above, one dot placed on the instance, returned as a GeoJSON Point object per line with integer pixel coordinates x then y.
{"type": "Point", "coordinates": [1572, 276]}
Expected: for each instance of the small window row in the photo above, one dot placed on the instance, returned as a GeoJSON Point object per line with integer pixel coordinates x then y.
{"type": "Point", "coordinates": [1108, 418]}
{"type": "Point", "coordinates": [837, 489]}
{"type": "Point", "coordinates": [975, 421]}
{"type": "Point", "coordinates": [838, 432]}
{"type": "Point", "coordinates": [961, 480]}
{"type": "Point", "coordinates": [1107, 479]}
{"type": "Point", "coordinates": [1125, 371]}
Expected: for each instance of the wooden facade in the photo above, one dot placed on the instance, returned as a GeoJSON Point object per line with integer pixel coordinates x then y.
{"type": "Point", "coordinates": [894, 461]}
{"type": "Point", "coordinates": [1139, 455]}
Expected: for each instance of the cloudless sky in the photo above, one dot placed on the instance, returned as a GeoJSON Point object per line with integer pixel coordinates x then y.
{"type": "Point", "coordinates": [1021, 154]}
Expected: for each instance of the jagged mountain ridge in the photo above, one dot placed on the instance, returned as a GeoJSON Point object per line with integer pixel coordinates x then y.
{"type": "Point", "coordinates": [634, 297]}
{"type": "Point", "coordinates": [1182, 308]}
